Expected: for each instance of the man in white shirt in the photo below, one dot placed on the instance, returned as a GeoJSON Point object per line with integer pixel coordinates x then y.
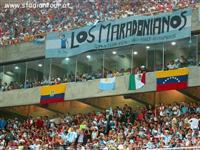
{"type": "Point", "coordinates": [194, 123]}
{"type": "Point", "coordinates": [172, 65]}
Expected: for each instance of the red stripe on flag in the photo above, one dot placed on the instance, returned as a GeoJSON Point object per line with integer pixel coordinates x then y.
{"type": "Point", "coordinates": [171, 86]}
{"type": "Point", "coordinates": [52, 100]}
{"type": "Point", "coordinates": [143, 79]}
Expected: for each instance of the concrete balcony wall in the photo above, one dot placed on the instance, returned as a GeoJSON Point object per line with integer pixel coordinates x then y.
{"type": "Point", "coordinates": [21, 51]}
{"type": "Point", "coordinates": [89, 89]}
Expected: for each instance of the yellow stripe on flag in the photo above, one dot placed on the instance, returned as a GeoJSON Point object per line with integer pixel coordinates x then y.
{"type": "Point", "coordinates": [56, 89]}
{"type": "Point", "coordinates": [170, 73]}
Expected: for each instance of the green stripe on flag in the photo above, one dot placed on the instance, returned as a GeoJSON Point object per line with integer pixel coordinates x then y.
{"type": "Point", "coordinates": [132, 85]}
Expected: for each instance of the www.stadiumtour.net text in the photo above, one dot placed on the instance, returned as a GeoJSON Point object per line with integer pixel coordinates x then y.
{"type": "Point", "coordinates": [35, 5]}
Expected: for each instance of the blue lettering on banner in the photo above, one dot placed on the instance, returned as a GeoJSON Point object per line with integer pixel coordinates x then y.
{"type": "Point", "coordinates": [121, 32]}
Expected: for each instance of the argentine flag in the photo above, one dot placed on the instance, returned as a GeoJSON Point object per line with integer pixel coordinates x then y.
{"type": "Point", "coordinates": [107, 84]}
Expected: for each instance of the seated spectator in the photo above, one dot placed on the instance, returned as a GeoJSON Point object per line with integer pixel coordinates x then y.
{"type": "Point", "coordinates": [183, 61]}
{"type": "Point", "coordinates": [172, 65]}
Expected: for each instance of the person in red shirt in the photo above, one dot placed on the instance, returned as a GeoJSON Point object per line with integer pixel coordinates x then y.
{"type": "Point", "coordinates": [39, 122]}
{"type": "Point", "coordinates": [1, 32]}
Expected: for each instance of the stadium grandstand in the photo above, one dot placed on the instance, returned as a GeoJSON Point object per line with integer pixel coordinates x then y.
{"type": "Point", "coordinates": [99, 74]}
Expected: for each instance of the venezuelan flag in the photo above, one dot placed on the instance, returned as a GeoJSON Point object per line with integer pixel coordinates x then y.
{"type": "Point", "coordinates": [172, 79]}
{"type": "Point", "coordinates": [52, 94]}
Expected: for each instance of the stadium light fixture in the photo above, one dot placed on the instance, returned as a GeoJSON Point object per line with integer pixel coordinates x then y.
{"type": "Point", "coordinates": [88, 56]}
{"type": "Point", "coordinates": [147, 47]}
{"type": "Point", "coordinates": [114, 52]}
{"type": "Point", "coordinates": [135, 52]}
{"type": "Point", "coordinates": [173, 43]}
{"type": "Point", "coordinates": [67, 58]}
{"type": "Point", "coordinates": [40, 65]}
{"type": "Point", "coordinates": [16, 67]}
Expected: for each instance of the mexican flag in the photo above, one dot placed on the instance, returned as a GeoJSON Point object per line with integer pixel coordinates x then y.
{"type": "Point", "coordinates": [136, 81]}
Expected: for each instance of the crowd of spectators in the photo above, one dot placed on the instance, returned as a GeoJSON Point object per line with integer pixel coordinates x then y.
{"type": "Point", "coordinates": [164, 126]}
{"type": "Point", "coordinates": [27, 24]}
{"type": "Point", "coordinates": [79, 77]}
{"type": "Point", "coordinates": [181, 62]}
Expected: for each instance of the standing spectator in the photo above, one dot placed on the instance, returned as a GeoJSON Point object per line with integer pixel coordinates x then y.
{"type": "Point", "coordinates": [2, 123]}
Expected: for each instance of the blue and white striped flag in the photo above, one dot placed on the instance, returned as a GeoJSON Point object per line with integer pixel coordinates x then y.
{"type": "Point", "coordinates": [107, 84]}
